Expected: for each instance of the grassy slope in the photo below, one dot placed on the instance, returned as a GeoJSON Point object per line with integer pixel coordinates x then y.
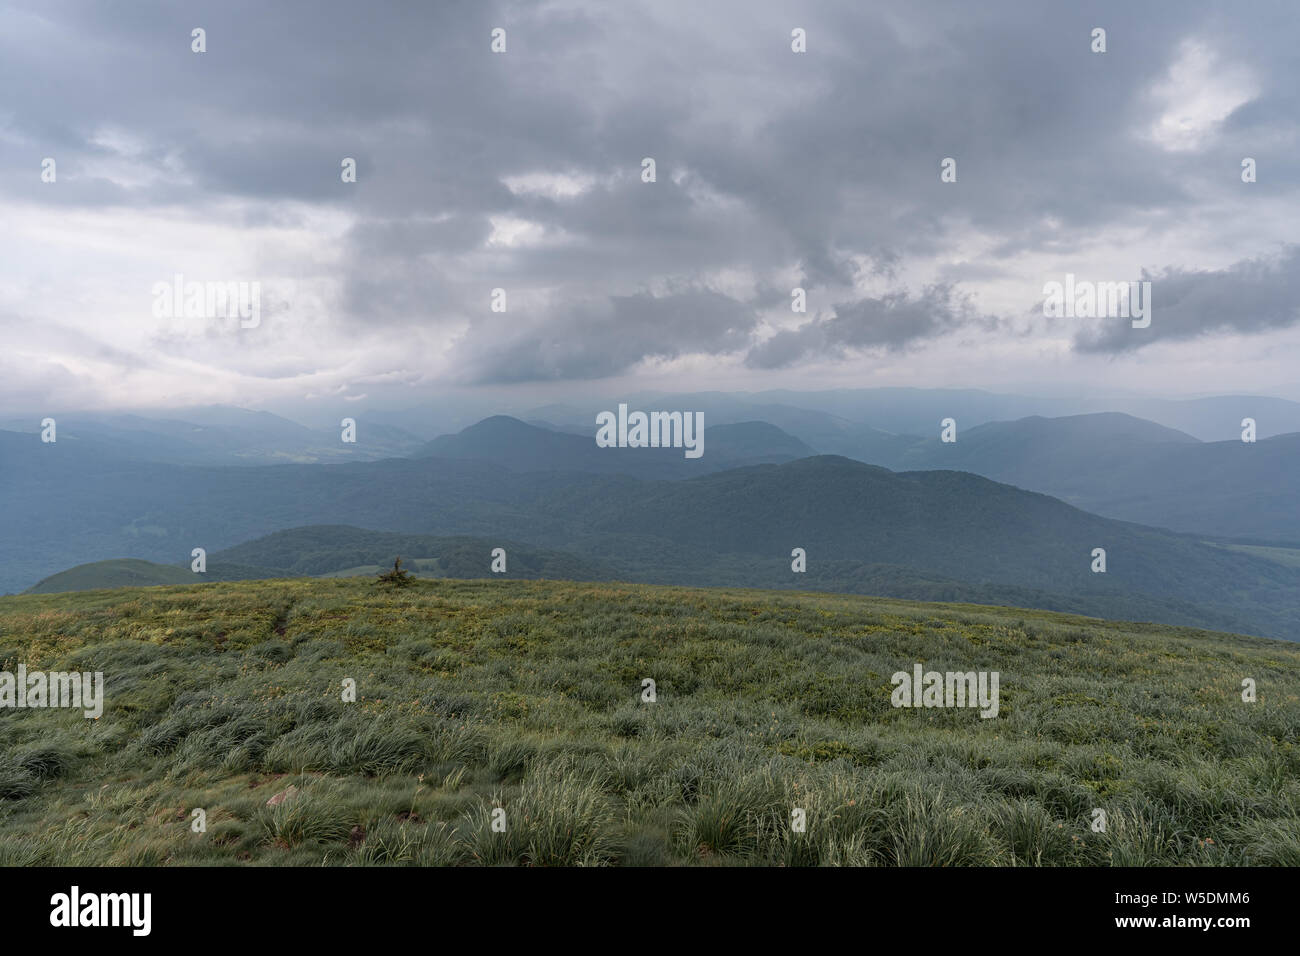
{"type": "Point", "coordinates": [135, 573]}
{"type": "Point", "coordinates": [526, 694]}
{"type": "Point", "coordinates": [116, 573]}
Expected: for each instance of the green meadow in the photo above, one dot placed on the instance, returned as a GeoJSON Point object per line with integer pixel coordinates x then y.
{"type": "Point", "coordinates": [526, 697]}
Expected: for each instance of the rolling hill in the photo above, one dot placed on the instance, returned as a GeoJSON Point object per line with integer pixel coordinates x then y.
{"type": "Point", "coordinates": [135, 573]}
{"type": "Point", "coordinates": [118, 573]}
{"type": "Point", "coordinates": [961, 526]}
{"type": "Point", "coordinates": [1125, 467]}
{"type": "Point", "coordinates": [1110, 463]}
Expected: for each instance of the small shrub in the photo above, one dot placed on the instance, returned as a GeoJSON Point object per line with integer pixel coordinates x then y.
{"type": "Point", "coordinates": [397, 576]}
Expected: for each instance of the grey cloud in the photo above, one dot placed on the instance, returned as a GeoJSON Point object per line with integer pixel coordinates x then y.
{"type": "Point", "coordinates": [891, 321]}
{"type": "Point", "coordinates": [769, 163]}
{"type": "Point", "coordinates": [1250, 296]}
{"type": "Point", "coordinates": [595, 341]}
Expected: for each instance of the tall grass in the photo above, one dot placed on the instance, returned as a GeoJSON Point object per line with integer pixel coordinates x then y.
{"type": "Point", "coordinates": [525, 697]}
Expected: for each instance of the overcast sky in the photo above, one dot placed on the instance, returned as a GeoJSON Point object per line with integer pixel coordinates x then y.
{"type": "Point", "coordinates": [522, 170]}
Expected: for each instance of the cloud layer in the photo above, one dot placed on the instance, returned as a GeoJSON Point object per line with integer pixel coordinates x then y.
{"type": "Point", "coordinates": [522, 171]}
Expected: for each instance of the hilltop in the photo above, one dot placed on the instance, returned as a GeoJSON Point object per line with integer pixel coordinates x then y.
{"type": "Point", "coordinates": [528, 696]}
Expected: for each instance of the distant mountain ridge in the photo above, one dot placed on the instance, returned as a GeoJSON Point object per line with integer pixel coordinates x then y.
{"type": "Point", "coordinates": [926, 535]}
{"type": "Point", "coordinates": [521, 446]}
{"type": "Point", "coordinates": [1110, 463]}
{"type": "Point", "coordinates": [217, 435]}
{"type": "Point", "coordinates": [1128, 468]}
{"type": "Point", "coordinates": [917, 411]}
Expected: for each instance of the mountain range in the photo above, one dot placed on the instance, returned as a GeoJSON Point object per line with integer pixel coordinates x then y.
{"type": "Point", "coordinates": [1010, 512]}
